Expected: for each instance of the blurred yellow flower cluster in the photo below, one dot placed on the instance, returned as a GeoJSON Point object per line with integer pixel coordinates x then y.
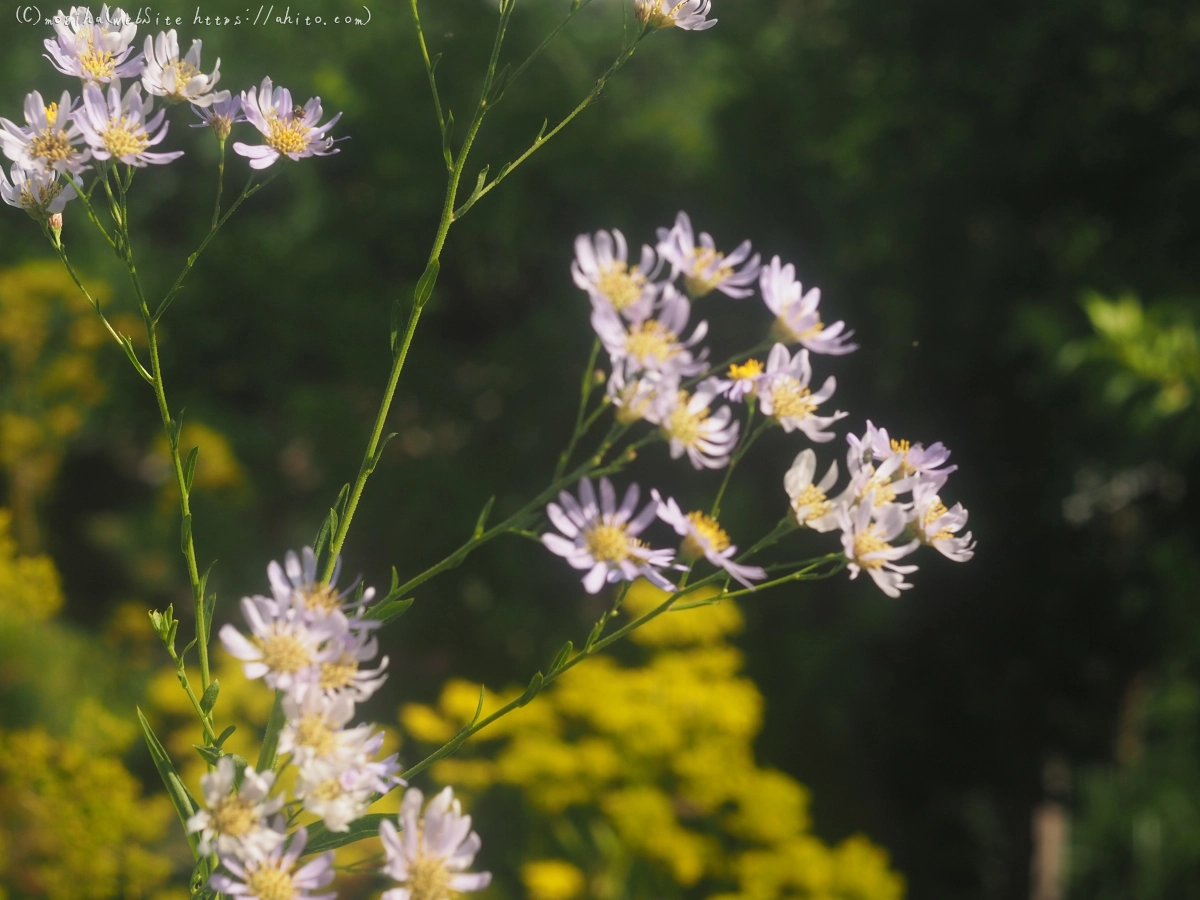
{"type": "Point", "coordinates": [659, 758]}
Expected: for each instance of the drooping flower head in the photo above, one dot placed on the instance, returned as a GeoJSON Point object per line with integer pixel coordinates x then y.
{"type": "Point", "coordinates": [96, 49]}
{"type": "Point", "coordinates": [603, 538]}
{"type": "Point", "coordinates": [810, 501]}
{"type": "Point", "coordinates": [270, 877]}
{"type": "Point", "coordinates": [690, 15]}
{"type": "Point", "coordinates": [290, 130]}
{"type": "Point", "coordinates": [867, 530]}
{"type": "Point", "coordinates": [222, 114]}
{"type": "Point", "coordinates": [122, 128]}
{"type": "Point", "coordinates": [235, 822]}
{"type": "Point", "coordinates": [703, 537]}
{"type": "Point", "coordinates": [705, 268]}
{"type": "Point", "coordinates": [601, 267]}
{"type": "Point", "coordinates": [690, 426]}
{"type": "Point", "coordinates": [179, 80]}
{"type": "Point", "coordinates": [938, 526]}
{"type": "Point", "coordinates": [785, 396]}
{"type": "Point", "coordinates": [41, 194]}
{"type": "Point", "coordinates": [797, 319]}
{"type": "Point", "coordinates": [430, 855]}
{"type": "Point", "coordinates": [49, 141]}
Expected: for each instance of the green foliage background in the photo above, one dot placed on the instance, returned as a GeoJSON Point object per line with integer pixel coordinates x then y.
{"type": "Point", "coordinates": [953, 175]}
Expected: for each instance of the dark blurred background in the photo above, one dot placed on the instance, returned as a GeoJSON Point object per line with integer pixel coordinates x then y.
{"type": "Point", "coordinates": [958, 178]}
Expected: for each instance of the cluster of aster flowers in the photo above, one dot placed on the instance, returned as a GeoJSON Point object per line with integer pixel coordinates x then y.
{"type": "Point", "coordinates": [660, 373]}
{"type": "Point", "coordinates": [59, 140]}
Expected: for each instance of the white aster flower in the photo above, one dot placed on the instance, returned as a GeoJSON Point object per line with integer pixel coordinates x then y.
{"type": "Point", "coordinates": [296, 582]}
{"type": "Point", "coordinates": [94, 49]}
{"type": "Point", "coordinates": [742, 380]}
{"type": "Point", "coordinates": [340, 789]}
{"type": "Point", "coordinates": [603, 538]}
{"type": "Point", "coordinates": [50, 139]}
{"type": "Point", "coordinates": [315, 726]}
{"type": "Point", "coordinates": [866, 531]}
{"type": "Point", "coordinates": [784, 395]}
{"type": "Point", "coordinates": [652, 344]}
{"type": "Point", "coordinates": [236, 821]}
{"type": "Point", "coordinates": [797, 320]}
{"type": "Point", "coordinates": [287, 651]}
{"type": "Point", "coordinates": [634, 400]}
{"type": "Point", "coordinates": [271, 877]}
{"type": "Point", "coordinates": [39, 193]}
{"type": "Point", "coordinates": [119, 128]}
{"type": "Point", "coordinates": [290, 131]}
{"type": "Point", "coordinates": [690, 15]}
{"type": "Point", "coordinates": [913, 458]}
{"type": "Point", "coordinates": [704, 537]}
{"type": "Point", "coordinates": [810, 501]}
{"type": "Point", "coordinates": [222, 114]}
{"type": "Point", "coordinates": [705, 268]}
{"type": "Point", "coordinates": [601, 267]}
{"type": "Point", "coordinates": [430, 855]}
{"type": "Point", "coordinates": [341, 671]}
{"type": "Point", "coordinates": [179, 80]}
{"type": "Point", "coordinates": [937, 526]}
{"type": "Point", "coordinates": [689, 425]}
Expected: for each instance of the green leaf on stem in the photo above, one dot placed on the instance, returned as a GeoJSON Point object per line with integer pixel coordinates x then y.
{"type": "Point", "coordinates": [340, 503]}
{"type": "Point", "coordinates": [173, 431]}
{"type": "Point", "coordinates": [389, 609]}
{"type": "Point", "coordinates": [208, 607]}
{"type": "Point", "coordinates": [535, 686]}
{"type": "Point", "coordinates": [424, 288]}
{"type": "Point", "coordinates": [180, 798]}
{"type": "Point", "coordinates": [595, 635]}
{"type": "Point", "coordinates": [224, 736]}
{"type": "Point", "coordinates": [185, 532]}
{"type": "Point", "coordinates": [189, 468]}
{"type": "Point", "coordinates": [384, 441]}
{"type": "Point", "coordinates": [563, 655]}
{"type": "Point", "coordinates": [269, 754]}
{"type": "Point", "coordinates": [210, 696]}
{"type": "Point", "coordinates": [198, 883]}
{"type": "Point", "coordinates": [321, 839]}
{"type": "Point", "coordinates": [483, 517]}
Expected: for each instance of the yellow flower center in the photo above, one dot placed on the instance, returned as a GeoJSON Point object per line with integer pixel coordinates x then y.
{"type": "Point", "coordinates": [936, 510]}
{"type": "Point", "coordinates": [608, 543]}
{"type": "Point", "coordinates": [812, 498]}
{"type": "Point", "coordinates": [51, 145]}
{"type": "Point", "coordinates": [184, 72]}
{"type": "Point", "coordinates": [121, 140]}
{"type": "Point", "coordinates": [652, 340]}
{"type": "Point", "coordinates": [271, 884]}
{"type": "Point", "coordinates": [882, 488]}
{"type": "Point", "coordinates": [683, 425]}
{"type": "Point", "coordinates": [634, 400]}
{"type": "Point", "coordinates": [708, 270]}
{"type": "Point", "coordinates": [868, 541]}
{"type": "Point", "coordinates": [234, 816]}
{"type": "Point", "coordinates": [707, 528]}
{"type": "Point", "coordinates": [339, 674]}
{"type": "Point", "coordinates": [650, 12]}
{"type": "Point", "coordinates": [288, 135]}
{"type": "Point", "coordinates": [328, 790]}
{"type": "Point", "coordinates": [52, 114]}
{"type": "Point", "coordinates": [428, 879]}
{"type": "Point", "coordinates": [621, 287]}
{"type": "Point", "coordinates": [97, 63]}
{"type": "Point", "coordinates": [313, 731]}
{"type": "Point", "coordinates": [322, 597]}
{"type": "Point", "coordinates": [43, 197]}
{"type": "Point", "coordinates": [751, 368]}
{"type": "Point", "coordinates": [791, 400]}
{"type": "Point", "coordinates": [285, 653]}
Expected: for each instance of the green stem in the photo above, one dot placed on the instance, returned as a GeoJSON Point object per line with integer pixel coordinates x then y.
{"type": "Point", "coordinates": [437, 100]}
{"type": "Point", "coordinates": [216, 216]}
{"type": "Point", "coordinates": [748, 439]}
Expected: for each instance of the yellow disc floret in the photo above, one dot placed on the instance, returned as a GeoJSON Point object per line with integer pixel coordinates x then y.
{"type": "Point", "coordinates": [621, 286]}
{"type": "Point", "coordinates": [683, 425]}
{"type": "Point", "coordinates": [313, 731]}
{"type": "Point", "coordinates": [813, 499]}
{"type": "Point", "coordinates": [791, 400]}
{"type": "Point", "coordinates": [708, 529]}
{"type": "Point", "coordinates": [339, 674]}
{"type": "Point", "coordinates": [288, 134]}
{"type": "Point", "coordinates": [234, 816]}
{"type": "Point", "coordinates": [51, 145]}
{"type": "Point", "coordinates": [869, 541]}
{"type": "Point", "coordinates": [608, 543]}
{"type": "Point", "coordinates": [751, 368]}
{"type": "Point", "coordinates": [122, 140]}
{"type": "Point", "coordinates": [269, 883]}
{"type": "Point", "coordinates": [652, 340]}
{"type": "Point", "coordinates": [708, 270]}
{"type": "Point", "coordinates": [323, 598]}
{"type": "Point", "coordinates": [428, 879]}
{"type": "Point", "coordinates": [285, 653]}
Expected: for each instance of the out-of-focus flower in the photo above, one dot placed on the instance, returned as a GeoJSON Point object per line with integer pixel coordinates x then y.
{"type": "Point", "coordinates": [120, 129]}
{"type": "Point", "coordinates": [287, 652]}
{"type": "Point", "coordinates": [48, 142]}
{"type": "Point", "coordinates": [810, 502]}
{"type": "Point", "coordinates": [937, 526]}
{"type": "Point", "coordinates": [913, 458]}
{"type": "Point", "coordinates": [601, 267]}
{"type": "Point", "coordinates": [236, 821]}
{"type": "Point", "coordinates": [315, 724]}
{"type": "Point", "coordinates": [797, 320]}
{"type": "Point", "coordinates": [41, 194]}
{"type": "Point", "coordinates": [603, 538]}
{"type": "Point", "coordinates": [743, 379]}
{"type": "Point", "coordinates": [341, 671]}
{"type": "Point", "coordinates": [291, 131]}
{"type": "Point", "coordinates": [784, 395]}
{"type": "Point", "coordinates": [179, 80]}
{"type": "Point", "coordinates": [296, 582]}
{"type": "Point", "coordinates": [94, 49]}
{"type": "Point", "coordinates": [704, 537]}
{"type": "Point", "coordinates": [704, 268]}
{"type": "Point", "coordinates": [270, 877]}
{"type": "Point", "coordinates": [690, 427]}
{"type": "Point", "coordinates": [634, 400]}
{"type": "Point", "coordinates": [652, 344]}
{"type": "Point", "coordinates": [866, 532]}
{"type": "Point", "coordinates": [690, 15]}
{"type": "Point", "coordinates": [429, 856]}
{"type": "Point", "coordinates": [222, 114]}
{"type": "Point", "coordinates": [340, 788]}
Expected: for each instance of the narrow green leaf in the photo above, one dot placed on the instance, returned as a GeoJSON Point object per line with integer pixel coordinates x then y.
{"type": "Point", "coordinates": [185, 532]}
{"type": "Point", "coordinates": [483, 517]}
{"type": "Point", "coordinates": [595, 634]}
{"type": "Point", "coordinates": [389, 609]}
{"type": "Point", "coordinates": [210, 754]}
{"type": "Point", "coordinates": [174, 430]}
{"type": "Point", "coordinates": [535, 685]}
{"type": "Point", "coordinates": [208, 608]}
{"type": "Point", "coordinates": [269, 753]}
{"type": "Point", "coordinates": [322, 538]}
{"type": "Point", "coordinates": [189, 468]}
{"type": "Point", "coordinates": [198, 883]}
{"type": "Point", "coordinates": [210, 696]}
{"type": "Point", "coordinates": [180, 798]}
{"type": "Point", "coordinates": [321, 839]}
{"type": "Point", "coordinates": [224, 736]}
{"type": "Point", "coordinates": [340, 503]}
{"type": "Point", "coordinates": [424, 288]}
{"type": "Point", "coordinates": [387, 438]}
{"type": "Point", "coordinates": [563, 655]}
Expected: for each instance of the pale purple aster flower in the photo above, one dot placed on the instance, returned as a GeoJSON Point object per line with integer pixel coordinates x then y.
{"type": "Point", "coordinates": [742, 380]}
{"type": "Point", "coordinates": [866, 532]}
{"type": "Point", "coordinates": [179, 80]}
{"type": "Point", "coordinates": [290, 131]}
{"type": "Point", "coordinates": [235, 822]}
{"type": "Point", "coordinates": [430, 856]}
{"type": "Point", "coordinates": [652, 344]}
{"type": "Point", "coordinates": [690, 15]}
{"type": "Point", "coordinates": [601, 267]}
{"type": "Point", "coordinates": [797, 320]}
{"type": "Point", "coordinates": [705, 268]}
{"type": "Point", "coordinates": [938, 526]}
{"type": "Point", "coordinates": [119, 128]}
{"type": "Point", "coordinates": [94, 49]}
{"type": "Point", "coordinates": [914, 458]}
{"type": "Point", "coordinates": [270, 877]}
{"type": "Point", "coordinates": [340, 788]}
{"type": "Point", "coordinates": [39, 193]}
{"type": "Point", "coordinates": [224, 112]}
{"type": "Point", "coordinates": [296, 581]}
{"type": "Point", "coordinates": [603, 538]}
{"type": "Point", "coordinates": [704, 537]}
{"type": "Point", "coordinates": [810, 500]}
{"type": "Point", "coordinates": [315, 726]}
{"type": "Point", "coordinates": [634, 400]}
{"type": "Point", "coordinates": [287, 651]}
{"type": "Point", "coordinates": [341, 671]}
{"type": "Point", "coordinates": [785, 396]}
{"type": "Point", "coordinates": [689, 425]}
{"type": "Point", "coordinates": [49, 140]}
